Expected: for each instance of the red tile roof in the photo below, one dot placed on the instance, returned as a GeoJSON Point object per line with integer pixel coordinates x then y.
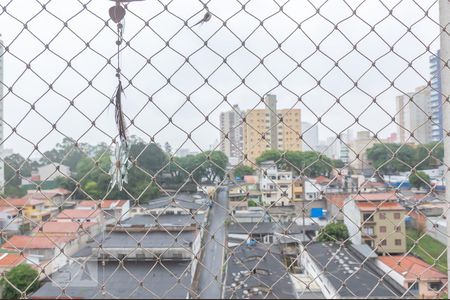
{"type": "Point", "coordinates": [19, 202]}
{"type": "Point", "coordinates": [367, 206]}
{"type": "Point", "coordinates": [59, 227]}
{"type": "Point", "coordinates": [47, 194]}
{"type": "Point", "coordinates": [337, 199]}
{"type": "Point", "coordinates": [322, 180]}
{"type": "Point", "coordinates": [411, 267]}
{"type": "Point", "coordinates": [8, 260]}
{"type": "Point", "coordinates": [374, 196]}
{"type": "Point", "coordinates": [9, 210]}
{"type": "Point", "coordinates": [20, 242]}
{"type": "Point", "coordinates": [78, 214]}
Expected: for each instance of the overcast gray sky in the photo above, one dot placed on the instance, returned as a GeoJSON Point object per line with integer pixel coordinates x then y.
{"type": "Point", "coordinates": [149, 79]}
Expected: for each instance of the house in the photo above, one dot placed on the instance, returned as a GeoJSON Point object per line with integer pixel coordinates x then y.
{"type": "Point", "coordinates": [335, 205]}
{"type": "Point", "coordinates": [10, 219]}
{"type": "Point", "coordinates": [113, 210]}
{"type": "Point", "coordinates": [82, 231]}
{"type": "Point", "coordinates": [9, 260]}
{"type": "Point", "coordinates": [414, 274]}
{"type": "Point", "coordinates": [31, 209]}
{"type": "Point", "coordinates": [307, 194]}
{"type": "Point", "coordinates": [49, 253]}
{"type": "Point", "coordinates": [80, 215]}
{"type": "Point", "coordinates": [240, 196]}
{"type": "Point", "coordinates": [275, 185]}
{"type": "Point", "coordinates": [160, 251]}
{"type": "Point", "coordinates": [376, 219]}
{"type": "Point", "coordinates": [52, 198]}
{"type": "Point", "coordinates": [52, 171]}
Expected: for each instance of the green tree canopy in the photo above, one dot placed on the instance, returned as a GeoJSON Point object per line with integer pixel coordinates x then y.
{"type": "Point", "coordinates": [241, 171]}
{"type": "Point", "coordinates": [22, 277]}
{"type": "Point", "coordinates": [333, 232]}
{"type": "Point", "coordinates": [419, 179]}
{"type": "Point", "coordinates": [307, 163]}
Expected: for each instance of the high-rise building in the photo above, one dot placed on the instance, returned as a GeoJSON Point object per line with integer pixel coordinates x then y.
{"type": "Point", "coordinates": [310, 135]}
{"type": "Point", "coordinates": [435, 102]}
{"type": "Point", "coordinates": [231, 130]}
{"type": "Point", "coordinates": [413, 111]}
{"type": "Point", "coordinates": [271, 128]}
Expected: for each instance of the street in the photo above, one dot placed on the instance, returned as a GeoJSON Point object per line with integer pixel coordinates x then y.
{"type": "Point", "coordinates": [210, 280]}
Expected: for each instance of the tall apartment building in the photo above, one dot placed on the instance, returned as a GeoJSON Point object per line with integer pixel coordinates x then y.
{"type": "Point", "coordinates": [376, 219]}
{"type": "Point", "coordinates": [231, 134]}
{"type": "Point", "coordinates": [357, 154]}
{"type": "Point", "coordinates": [271, 128]}
{"type": "Point", "coordinates": [413, 116]}
{"type": "Point", "coordinates": [310, 134]}
{"type": "Point", "coordinates": [435, 101]}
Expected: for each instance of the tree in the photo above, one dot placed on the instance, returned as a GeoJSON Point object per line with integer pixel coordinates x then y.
{"type": "Point", "coordinates": [21, 277]}
{"type": "Point", "coordinates": [429, 156]}
{"type": "Point", "coordinates": [392, 158]}
{"type": "Point", "coordinates": [168, 148]}
{"type": "Point", "coordinates": [241, 171]}
{"type": "Point", "coordinates": [215, 163]}
{"type": "Point", "coordinates": [333, 232]}
{"type": "Point", "coordinates": [419, 179]}
{"type": "Point", "coordinates": [307, 163]}
{"type": "Point", "coordinates": [16, 167]}
{"type": "Point", "coordinates": [269, 155]}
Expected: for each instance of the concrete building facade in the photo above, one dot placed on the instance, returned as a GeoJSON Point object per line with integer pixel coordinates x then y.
{"type": "Point", "coordinates": [413, 111]}
{"type": "Point", "coordinates": [435, 99]}
{"type": "Point", "coordinates": [231, 134]}
{"type": "Point", "coordinates": [378, 220]}
{"type": "Point", "coordinates": [271, 129]}
{"type": "Point", "coordinates": [310, 136]}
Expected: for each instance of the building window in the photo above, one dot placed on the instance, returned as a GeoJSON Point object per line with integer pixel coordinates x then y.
{"type": "Point", "coordinates": [383, 243]}
{"type": "Point", "coordinates": [398, 228]}
{"type": "Point", "coordinates": [383, 229]}
{"type": "Point", "coordinates": [397, 216]}
{"type": "Point", "coordinates": [368, 217]}
{"type": "Point", "coordinates": [369, 231]}
{"type": "Point", "coordinates": [382, 216]}
{"type": "Point", "coordinates": [413, 286]}
{"type": "Point", "coordinates": [435, 286]}
{"type": "Point", "coordinates": [398, 242]}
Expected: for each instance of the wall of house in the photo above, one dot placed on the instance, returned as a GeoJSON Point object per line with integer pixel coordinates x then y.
{"type": "Point", "coordinates": [352, 219]}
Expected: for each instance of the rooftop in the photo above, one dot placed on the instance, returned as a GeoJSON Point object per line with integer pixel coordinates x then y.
{"type": "Point", "coordinates": [337, 199]}
{"type": "Point", "coordinates": [339, 264]}
{"type": "Point", "coordinates": [412, 268]}
{"type": "Point", "coordinates": [259, 272]}
{"type": "Point", "coordinates": [20, 202]}
{"type": "Point", "coordinates": [20, 242]}
{"type": "Point", "coordinates": [269, 228]}
{"type": "Point", "coordinates": [367, 206]}
{"type": "Point", "coordinates": [151, 239]}
{"type": "Point", "coordinates": [78, 213]}
{"type": "Point", "coordinates": [388, 196]}
{"type": "Point", "coordinates": [166, 220]}
{"type": "Point", "coordinates": [105, 204]}
{"type": "Point", "coordinates": [11, 259]}
{"type": "Point", "coordinates": [182, 201]}
{"type": "Point", "coordinates": [159, 280]}
{"type": "Point", "coordinates": [58, 227]}
{"type": "Point", "coordinates": [47, 194]}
